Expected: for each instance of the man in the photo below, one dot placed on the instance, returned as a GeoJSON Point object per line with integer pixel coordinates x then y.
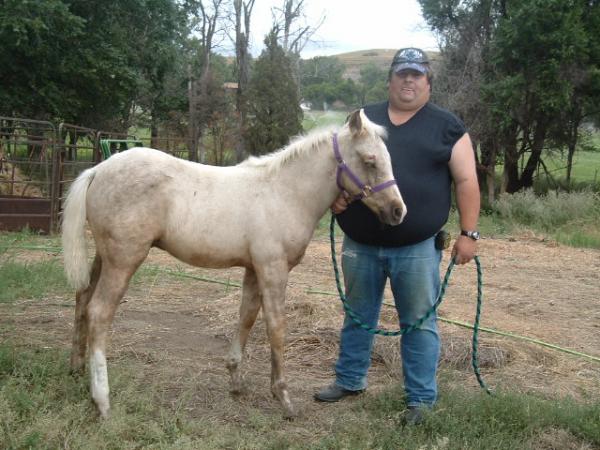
{"type": "Point", "coordinates": [430, 148]}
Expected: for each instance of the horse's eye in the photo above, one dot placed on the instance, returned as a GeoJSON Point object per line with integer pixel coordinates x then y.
{"type": "Point", "coordinates": [370, 160]}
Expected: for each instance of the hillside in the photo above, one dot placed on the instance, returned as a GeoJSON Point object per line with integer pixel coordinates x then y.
{"type": "Point", "coordinates": [381, 57]}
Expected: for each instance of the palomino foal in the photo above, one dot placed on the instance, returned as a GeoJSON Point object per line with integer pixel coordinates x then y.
{"type": "Point", "coordinates": [259, 215]}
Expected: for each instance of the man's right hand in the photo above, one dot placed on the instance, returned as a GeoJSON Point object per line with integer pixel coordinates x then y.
{"type": "Point", "coordinates": [340, 204]}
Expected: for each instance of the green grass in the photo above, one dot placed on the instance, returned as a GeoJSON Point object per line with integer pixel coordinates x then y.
{"type": "Point", "coordinates": [39, 279]}
{"type": "Point", "coordinates": [43, 407]}
{"type": "Point", "coordinates": [586, 166]}
{"type": "Point", "coordinates": [474, 420]}
{"type": "Point", "coordinates": [569, 218]}
{"type": "Point", "coordinates": [27, 237]}
{"type": "Point", "coordinates": [585, 173]}
{"type": "Point", "coordinates": [31, 280]}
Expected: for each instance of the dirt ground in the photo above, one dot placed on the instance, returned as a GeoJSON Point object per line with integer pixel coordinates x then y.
{"type": "Point", "coordinates": [179, 329]}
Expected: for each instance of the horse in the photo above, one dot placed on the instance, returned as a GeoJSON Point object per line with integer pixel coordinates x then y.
{"type": "Point", "coordinates": [259, 214]}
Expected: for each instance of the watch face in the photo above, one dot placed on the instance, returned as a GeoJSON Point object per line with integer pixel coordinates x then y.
{"type": "Point", "coordinates": [472, 234]}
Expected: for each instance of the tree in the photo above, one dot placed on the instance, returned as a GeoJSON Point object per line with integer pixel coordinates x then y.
{"type": "Point", "coordinates": [373, 84]}
{"type": "Point", "coordinates": [294, 32]}
{"type": "Point", "coordinates": [538, 48]}
{"type": "Point", "coordinates": [321, 69]}
{"type": "Point", "coordinates": [30, 38]}
{"type": "Point", "coordinates": [243, 12]}
{"type": "Point", "coordinates": [159, 54]}
{"type": "Point", "coordinates": [274, 112]}
{"type": "Point", "coordinates": [518, 70]}
{"type": "Point", "coordinates": [205, 23]}
{"type": "Point", "coordinates": [465, 30]}
{"type": "Point", "coordinates": [73, 61]}
{"type": "Point", "coordinates": [321, 81]}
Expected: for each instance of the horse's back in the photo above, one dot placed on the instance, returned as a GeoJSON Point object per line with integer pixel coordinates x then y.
{"type": "Point", "coordinates": [146, 197]}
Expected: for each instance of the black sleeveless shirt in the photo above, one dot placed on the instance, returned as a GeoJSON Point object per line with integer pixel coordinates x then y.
{"type": "Point", "coordinates": [420, 150]}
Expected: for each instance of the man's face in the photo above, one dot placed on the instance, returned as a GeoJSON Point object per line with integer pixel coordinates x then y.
{"type": "Point", "coordinates": [409, 90]}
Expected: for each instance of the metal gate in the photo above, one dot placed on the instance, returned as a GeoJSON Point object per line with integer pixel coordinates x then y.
{"type": "Point", "coordinates": [39, 161]}
{"type": "Point", "coordinates": [26, 188]}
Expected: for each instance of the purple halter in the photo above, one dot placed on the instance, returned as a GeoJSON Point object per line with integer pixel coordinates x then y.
{"type": "Point", "coordinates": [365, 189]}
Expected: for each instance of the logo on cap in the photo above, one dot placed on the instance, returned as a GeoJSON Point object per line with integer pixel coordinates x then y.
{"type": "Point", "coordinates": [410, 58]}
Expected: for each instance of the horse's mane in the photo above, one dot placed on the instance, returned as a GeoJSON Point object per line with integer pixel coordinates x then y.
{"type": "Point", "coordinates": [298, 146]}
{"type": "Point", "coordinates": [301, 145]}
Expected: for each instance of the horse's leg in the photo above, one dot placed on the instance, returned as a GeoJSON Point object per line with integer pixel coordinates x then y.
{"type": "Point", "coordinates": [248, 311]}
{"type": "Point", "coordinates": [272, 278]}
{"type": "Point", "coordinates": [109, 291]}
{"type": "Point", "coordinates": [80, 326]}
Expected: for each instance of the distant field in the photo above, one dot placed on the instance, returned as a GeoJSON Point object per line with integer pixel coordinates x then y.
{"type": "Point", "coordinates": [586, 166]}
{"type": "Point", "coordinates": [381, 57]}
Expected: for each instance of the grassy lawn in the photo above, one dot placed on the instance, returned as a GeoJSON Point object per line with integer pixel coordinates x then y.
{"type": "Point", "coordinates": [586, 167]}
{"type": "Point", "coordinates": [43, 407]}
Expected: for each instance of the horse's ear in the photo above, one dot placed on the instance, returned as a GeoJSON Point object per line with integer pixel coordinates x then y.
{"type": "Point", "coordinates": [355, 122]}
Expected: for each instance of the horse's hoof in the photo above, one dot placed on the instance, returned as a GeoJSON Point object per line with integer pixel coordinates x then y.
{"type": "Point", "coordinates": [290, 414]}
{"type": "Point", "coordinates": [77, 371]}
{"type": "Point", "coordinates": [237, 391]}
{"type": "Point", "coordinates": [103, 414]}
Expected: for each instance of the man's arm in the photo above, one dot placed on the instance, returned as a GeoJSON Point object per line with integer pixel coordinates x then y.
{"type": "Point", "coordinates": [464, 174]}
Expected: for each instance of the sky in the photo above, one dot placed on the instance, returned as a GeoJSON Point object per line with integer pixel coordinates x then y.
{"type": "Point", "coordinates": [352, 25]}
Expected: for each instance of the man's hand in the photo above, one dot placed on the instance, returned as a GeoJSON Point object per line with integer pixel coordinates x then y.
{"type": "Point", "coordinates": [340, 204]}
{"type": "Point", "coordinates": [464, 249]}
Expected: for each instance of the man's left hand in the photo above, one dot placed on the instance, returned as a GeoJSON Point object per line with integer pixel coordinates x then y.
{"type": "Point", "coordinates": [464, 250]}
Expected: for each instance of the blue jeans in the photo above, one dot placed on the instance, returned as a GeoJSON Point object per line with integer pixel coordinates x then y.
{"type": "Point", "coordinates": [413, 271]}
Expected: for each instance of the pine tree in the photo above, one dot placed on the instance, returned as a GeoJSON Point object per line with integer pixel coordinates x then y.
{"type": "Point", "coordinates": [274, 106]}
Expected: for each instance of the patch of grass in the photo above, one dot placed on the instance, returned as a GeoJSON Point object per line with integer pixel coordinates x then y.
{"type": "Point", "coordinates": [547, 211]}
{"type": "Point", "coordinates": [31, 280]}
{"type": "Point", "coordinates": [43, 407]}
{"type": "Point", "coordinates": [26, 237]}
{"type": "Point", "coordinates": [39, 279]}
{"type": "Point", "coordinates": [570, 218]}
{"type": "Point", "coordinates": [586, 165]}
{"type": "Point", "coordinates": [471, 420]}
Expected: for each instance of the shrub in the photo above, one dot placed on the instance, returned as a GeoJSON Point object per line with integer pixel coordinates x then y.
{"type": "Point", "coordinates": [550, 211]}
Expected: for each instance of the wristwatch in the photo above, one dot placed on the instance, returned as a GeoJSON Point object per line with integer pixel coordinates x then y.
{"type": "Point", "coordinates": [472, 234]}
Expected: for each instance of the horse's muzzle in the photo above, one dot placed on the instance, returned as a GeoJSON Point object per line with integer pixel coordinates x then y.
{"type": "Point", "coordinates": [393, 214]}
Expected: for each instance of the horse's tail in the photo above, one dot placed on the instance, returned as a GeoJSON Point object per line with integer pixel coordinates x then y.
{"type": "Point", "coordinates": [73, 232]}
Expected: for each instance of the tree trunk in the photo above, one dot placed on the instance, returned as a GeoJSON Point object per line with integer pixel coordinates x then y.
{"type": "Point", "coordinates": [153, 131]}
{"type": "Point", "coordinates": [539, 138]}
{"type": "Point", "coordinates": [243, 12]}
{"type": "Point", "coordinates": [192, 126]}
{"type": "Point", "coordinates": [511, 182]}
{"type": "Point", "coordinates": [488, 168]}
{"type": "Point", "coordinates": [572, 143]}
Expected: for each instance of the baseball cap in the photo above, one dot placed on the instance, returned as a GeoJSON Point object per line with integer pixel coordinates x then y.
{"type": "Point", "coordinates": [410, 58]}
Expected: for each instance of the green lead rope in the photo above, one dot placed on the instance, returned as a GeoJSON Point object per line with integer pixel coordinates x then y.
{"type": "Point", "coordinates": [356, 319]}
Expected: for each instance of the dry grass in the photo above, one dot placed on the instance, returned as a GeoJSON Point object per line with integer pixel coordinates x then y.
{"type": "Point", "coordinates": [177, 331]}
